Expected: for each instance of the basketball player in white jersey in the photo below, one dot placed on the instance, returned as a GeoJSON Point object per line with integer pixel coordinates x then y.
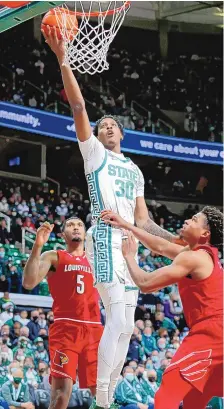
{"type": "Point", "coordinates": [114, 183]}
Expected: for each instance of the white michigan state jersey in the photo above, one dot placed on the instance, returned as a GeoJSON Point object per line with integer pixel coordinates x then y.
{"type": "Point", "coordinates": [114, 183]}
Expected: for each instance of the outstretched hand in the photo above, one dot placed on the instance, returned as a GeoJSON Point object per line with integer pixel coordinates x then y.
{"type": "Point", "coordinates": [113, 219]}
{"type": "Point", "coordinates": [43, 234]}
{"type": "Point", "coordinates": [129, 245]}
{"type": "Point", "coordinates": [56, 45]}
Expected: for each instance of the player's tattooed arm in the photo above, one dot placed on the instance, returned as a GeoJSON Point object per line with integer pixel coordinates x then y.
{"type": "Point", "coordinates": [144, 222]}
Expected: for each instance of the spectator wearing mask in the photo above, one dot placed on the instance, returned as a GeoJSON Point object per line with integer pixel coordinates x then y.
{"type": "Point", "coordinates": [150, 385]}
{"type": "Point", "coordinates": [23, 208]}
{"type": "Point", "coordinates": [161, 346]}
{"type": "Point", "coordinates": [43, 333]}
{"type": "Point", "coordinates": [33, 325]}
{"type": "Point", "coordinates": [16, 392]}
{"type": "Point", "coordinates": [5, 331]}
{"type": "Point", "coordinates": [129, 392]}
{"type": "Point", "coordinates": [42, 321]}
{"type": "Point", "coordinates": [43, 370]}
{"type": "Point", "coordinates": [155, 359]}
{"type": "Point", "coordinates": [22, 317]}
{"type": "Point", "coordinates": [41, 353]}
{"type": "Point", "coordinates": [6, 356]}
{"type": "Point", "coordinates": [30, 375]}
{"type": "Point", "coordinates": [148, 341]}
{"type": "Point", "coordinates": [7, 314]}
{"type": "Point", "coordinates": [22, 351]}
{"type": "Point", "coordinates": [135, 350]}
{"type": "Point", "coordinates": [62, 210]}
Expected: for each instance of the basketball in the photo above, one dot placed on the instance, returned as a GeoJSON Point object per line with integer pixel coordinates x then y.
{"type": "Point", "coordinates": [61, 18]}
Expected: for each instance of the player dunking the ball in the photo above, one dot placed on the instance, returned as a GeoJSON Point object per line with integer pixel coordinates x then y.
{"type": "Point", "coordinates": [195, 374]}
{"type": "Point", "coordinates": [114, 182]}
{"type": "Point", "coordinates": [75, 334]}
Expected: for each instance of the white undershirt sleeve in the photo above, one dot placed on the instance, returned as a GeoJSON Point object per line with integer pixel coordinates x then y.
{"type": "Point", "coordinates": [93, 153]}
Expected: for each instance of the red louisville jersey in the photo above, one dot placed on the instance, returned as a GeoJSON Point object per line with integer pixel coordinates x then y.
{"type": "Point", "coordinates": [71, 287]}
{"type": "Point", "coordinates": [203, 299]}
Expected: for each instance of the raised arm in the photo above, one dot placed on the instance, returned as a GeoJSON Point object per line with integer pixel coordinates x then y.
{"type": "Point", "coordinates": [184, 264]}
{"type": "Point", "coordinates": [38, 265]}
{"type": "Point", "coordinates": [157, 244]}
{"type": "Point", "coordinates": [74, 95]}
{"type": "Point", "coordinates": [143, 221]}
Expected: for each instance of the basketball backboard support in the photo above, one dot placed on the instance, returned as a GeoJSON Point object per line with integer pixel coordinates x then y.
{"type": "Point", "coordinates": [11, 17]}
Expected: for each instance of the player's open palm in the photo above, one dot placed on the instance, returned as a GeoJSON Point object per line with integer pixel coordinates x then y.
{"type": "Point", "coordinates": [129, 245]}
{"type": "Point", "coordinates": [43, 234]}
{"type": "Point", "coordinates": [57, 46]}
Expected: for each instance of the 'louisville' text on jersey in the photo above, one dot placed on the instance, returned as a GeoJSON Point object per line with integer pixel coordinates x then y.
{"type": "Point", "coordinates": [74, 267]}
{"type": "Point", "coordinates": [122, 172]}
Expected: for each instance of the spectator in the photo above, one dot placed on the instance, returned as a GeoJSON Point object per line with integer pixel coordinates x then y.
{"type": "Point", "coordinates": [135, 350]}
{"type": "Point", "coordinates": [150, 385]}
{"type": "Point", "coordinates": [42, 369]}
{"type": "Point", "coordinates": [33, 325]}
{"type": "Point", "coordinates": [4, 234]}
{"type": "Point", "coordinates": [7, 315]}
{"type": "Point", "coordinates": [148, 341]}
{"type": "Point", "coordinates": [22, 317]}
{"type": "Point", "coordinates": [17, 229]}
{"type": "Point", "coordinates": [161, 344]}
{"type": "Point", "coordinates": [16, 391]}
{"type": "Point", "coordinates": [129, 393]}
{"type": "Point", "coordinates": [15, 332]}
{"type": "Point", "coordinates": [22, 208]}
{"type": "Point", "coordinates": [22, 351]}
{"type": "Point", "coordinates": [62, 210]}
{"type": "Point", "coordinates": [162, 321]}
{"type": "Point", "coordinates": [4, 206]}
{"type": "Point", "coordinates": [30, 375]}
{"type": "Point", "coordinates": [4, 283]}
{"type": "Point", "coordinates": [41, 353]}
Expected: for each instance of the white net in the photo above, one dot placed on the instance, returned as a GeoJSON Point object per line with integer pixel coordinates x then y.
{"type": "Point", "coordinates": [98, 23]}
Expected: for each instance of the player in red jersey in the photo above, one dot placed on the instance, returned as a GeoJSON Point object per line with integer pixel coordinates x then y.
{"type": "Point", "coordinates": [195, 374]}
{"type": "Point", "coordinates": [75, 334]}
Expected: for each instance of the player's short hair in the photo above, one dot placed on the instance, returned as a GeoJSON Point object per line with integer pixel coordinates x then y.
{"type": "Point", "coordinates": [119, 124]}
{"type": "Point", "coordinates": [215, 222]}
{"type": "Point", "coordinates": [71, 218]}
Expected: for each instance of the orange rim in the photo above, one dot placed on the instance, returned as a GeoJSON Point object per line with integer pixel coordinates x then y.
{"type": "Point", "coordinates": [95, 13]}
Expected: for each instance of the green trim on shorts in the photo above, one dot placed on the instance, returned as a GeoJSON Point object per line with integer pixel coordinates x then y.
{"type": "Point", "coordinates": [131, 288]}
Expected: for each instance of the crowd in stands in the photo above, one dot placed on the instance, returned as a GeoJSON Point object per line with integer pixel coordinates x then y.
{"type": "Point", "coordinates": [29, 205]}
{"type": "Point", "coordinates": [188, 83]}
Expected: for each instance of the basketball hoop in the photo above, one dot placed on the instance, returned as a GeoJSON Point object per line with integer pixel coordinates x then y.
{"type": "Point", "coordinates": [98, 24]}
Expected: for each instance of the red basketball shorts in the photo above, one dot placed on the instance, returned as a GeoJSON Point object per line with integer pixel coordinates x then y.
{"type": "Point", "coordinates": [200, 356]}
{"type": "Point", "coordinates": [73, 348]}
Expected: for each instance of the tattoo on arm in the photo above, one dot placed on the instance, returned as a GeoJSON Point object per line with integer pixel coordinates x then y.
{"type": "Point", "coordinates": [151, 227]}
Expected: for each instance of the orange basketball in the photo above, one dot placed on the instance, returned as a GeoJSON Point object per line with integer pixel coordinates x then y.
{"type": "Point", "coordinates": [14, 4]}
{"type": "Point", "coordinates": [59, 18]}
